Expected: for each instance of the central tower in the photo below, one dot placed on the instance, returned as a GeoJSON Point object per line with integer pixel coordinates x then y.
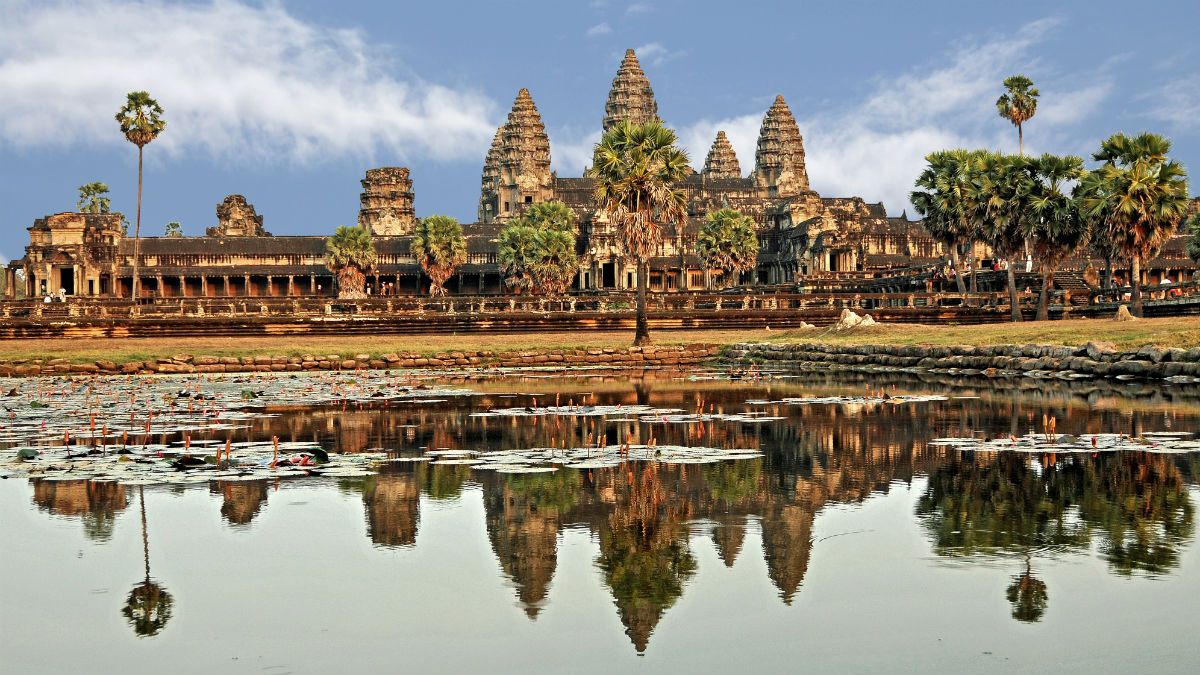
{"type": "Point", "coordinates": [631, 97]}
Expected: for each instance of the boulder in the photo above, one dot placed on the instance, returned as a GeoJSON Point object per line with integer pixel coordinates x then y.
{"type": "Point", "coordinates": [1123, 314]}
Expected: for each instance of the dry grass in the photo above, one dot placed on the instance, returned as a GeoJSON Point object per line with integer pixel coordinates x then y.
{"type": "Point", "coordinates": [1172, 332]}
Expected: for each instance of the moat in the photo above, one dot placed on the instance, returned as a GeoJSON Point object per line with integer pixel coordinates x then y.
{"type": "Point", "coordinates": [672, 521]}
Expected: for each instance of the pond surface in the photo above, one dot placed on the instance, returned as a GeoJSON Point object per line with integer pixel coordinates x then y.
{"type": "Point", "coordinates": [677, 522]}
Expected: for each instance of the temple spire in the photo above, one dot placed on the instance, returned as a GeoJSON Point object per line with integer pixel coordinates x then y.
{"type": "Point", "coordinates": [518, 164]}
{"type": "Point", "coordinates": [779, 157]}
{"type": "Point", "coordinates": [630, 97]}
{"type": "Point", "coordinates": [722, 162]}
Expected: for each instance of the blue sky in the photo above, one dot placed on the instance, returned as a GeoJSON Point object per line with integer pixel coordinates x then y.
{"type": "Point", "coordinates": [290, 102]}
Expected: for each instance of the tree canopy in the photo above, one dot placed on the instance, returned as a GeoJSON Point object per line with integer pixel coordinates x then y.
{"type": "Point", "coordinates": [349, 254]}
{"type": "Point", "coordinates": [93, 198]}
{"type": "Point", "coordinates": [727, 241]}
{"type": "Point", "coordinates": [439, 246]}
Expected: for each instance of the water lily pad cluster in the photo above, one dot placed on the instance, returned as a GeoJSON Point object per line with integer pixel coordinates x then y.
{"type": "Point", "coordinates": [1165, 442]}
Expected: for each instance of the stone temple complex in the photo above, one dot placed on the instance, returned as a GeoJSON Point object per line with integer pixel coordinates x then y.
{"type": "Point", "coordinates": [803, 235]}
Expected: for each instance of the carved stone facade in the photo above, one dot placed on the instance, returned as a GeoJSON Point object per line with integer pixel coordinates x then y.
{"type": "Point", "coordinates": [236, 217]}
{"type": "Point", "coordinates": [387, 202]}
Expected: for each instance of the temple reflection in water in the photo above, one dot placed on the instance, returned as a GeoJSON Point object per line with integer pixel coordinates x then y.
{"type": "Point", "coordinates": [1134, 508]}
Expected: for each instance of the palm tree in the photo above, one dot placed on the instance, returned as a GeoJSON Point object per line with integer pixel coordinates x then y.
{"type": "Point", "coordinates": [350, 254]}
{"type": "Point", "coordinates": [93, 198]}
{"type": "Point", "coordinates": [552, 215]}
{"type": "Point", "coordinates": [1018, 105]}
{"type": "Point", "coordinates": [148, 607]}
{"type": "Point", "coordinates": [635, 167]}
{"type": "Point", "coordinates": [141, 121]}
{"type": "Point", "coordinates": [1193, 245]}
{"type": "Point", "coordinates": [516, 251]}
{"type": "Point", "coordinates": [998, 203]}
{"type": "Point", "coordinates": [1027, 595]}
{"type": "Point", "coordinates": [537, 249]}
{"type": "Point", "coordinates": [439, 245]}
{"type": "Point", "coordinates": [943, 200]}
{"type": "Point", "coordinates": [173, 229]}
{"type": "Point", "coordinates": [556, 263]}
{"type": "Point", "coordinates": [1139, 196]}
{"type": "Point", "coordinates": [1055, 226]}
{"type": "Point", "coordinates": [727, 242]}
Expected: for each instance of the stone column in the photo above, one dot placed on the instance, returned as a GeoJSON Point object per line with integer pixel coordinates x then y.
{"type": "Point", "coordinates": [182, 287]}
{"type": "Point", "coordinates": [312, 284]}
{"type": "Point", "coordinates": [159, 286]}
{"type": "Point", "coordinates": [225, 285]}
{"type": "Point", "coordinates": [10, 284]}
{"type": "Point", "coordinates": [291, 290]}
{"type": "Point", "coordinates": [249, 288]}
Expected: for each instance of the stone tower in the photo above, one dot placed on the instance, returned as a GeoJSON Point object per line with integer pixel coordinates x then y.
{"type": "Point", "coordinates": [721, 162]}
{"type": "Point", "coordinates": [522, 163]}
{"type": "Point", "coordinates": [236, 217]}
{"type": "Point", "coordinates": [490, 182]}
{"type": "Point", "coordinates": [779, 159]}
{"type": "Point", "coordinates": [387, 202]}
{"type": "Point", "coordinates": [631, 97]}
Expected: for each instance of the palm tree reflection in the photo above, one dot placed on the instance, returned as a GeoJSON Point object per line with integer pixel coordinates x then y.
{"type": "Point", "coordinates": [148, 607]}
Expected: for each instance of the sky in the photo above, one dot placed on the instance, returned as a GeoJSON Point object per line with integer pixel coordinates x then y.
{"type": "Point", "coordinates": [289, 102]}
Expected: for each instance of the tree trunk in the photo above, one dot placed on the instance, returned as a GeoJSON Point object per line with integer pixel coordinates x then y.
{"type": "Point", "coordinates": [958, 277]}
{"type": "Point", "coordinates": [1108, 273]}
{"type": "Point", "coordinates": [1135, 280]}
{"type": "Point", "coordinates": [137, 234]}
{"type": "Point", "coordinates": [642, 336]}
{"type": "Point", "coordinates": [1012, 293]}
{"type": "Point", "coordinates": [1043, 311]}
{"type": "Point", "coordinates": [1020, 140]}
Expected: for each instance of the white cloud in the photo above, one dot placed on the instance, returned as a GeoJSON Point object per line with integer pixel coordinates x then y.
{"type": "Point", "coordinates": [876, 148]}
{"type": "Point", "coordinates": [236, 80]}
{"type": "Point", "coordinates": [571, 150]}
{"type": "Point", "coordinates": [598, 30]}
{"type": "Point", "coordinates": [655, 54]}
{"type": "Point", "coordinates": [638, 8]}
{"type": "Point", "coordinates": [1176, 103]}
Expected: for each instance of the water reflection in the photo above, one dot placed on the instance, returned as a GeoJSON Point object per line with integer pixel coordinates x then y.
{"type": "Point", "coordinates": [1134, 508]}
{"type": "Point", "coordinates": [148, 607]}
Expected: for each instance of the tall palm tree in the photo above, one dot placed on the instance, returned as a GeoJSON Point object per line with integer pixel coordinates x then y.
{"type": "Point", "coordinates": [350, 253]}
{"type": "Point", "coordinates": [516, 251]}
{"type": "Point", "coordinates": [727, 242]}
{"type": "Point", "coordinates": [1139, 196]}
{"type": "Point", "coordinates": [1055, 225]}
{"type": "Point", "coordinates": [93, 198]}
{"type": "Point", "coordinates": [439, 246]}
{"type": "Point", "coordinates": [173, 229]}
{"type": "Point", "coordinates": [141, 121]}
{"type": "Point", "coordinates": [998, 203]}
{"type": "Point", "coordinates": [635, 168]}
{"type": "Point", "coordinates": [1018, 105]}
{"type": "Point", "coordinates": [943, 198]}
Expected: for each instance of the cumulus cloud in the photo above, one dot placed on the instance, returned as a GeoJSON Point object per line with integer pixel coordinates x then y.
{"type": "Point", "coordinates": [571, 150]}
{"type": "Point", "coordinates": [236, 80]}
{"type": "Point", "coordinates": [876, 147]}
{"type": "Point", "coordinates": [655, 54]}
{"type": "Point", "coordinates": [598, 30]}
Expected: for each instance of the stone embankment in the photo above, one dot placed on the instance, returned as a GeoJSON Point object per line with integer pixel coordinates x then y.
{"type": "Point", "coordinates": [633, 357]}
{"type": "Point", "coordinates": [1094, 359]}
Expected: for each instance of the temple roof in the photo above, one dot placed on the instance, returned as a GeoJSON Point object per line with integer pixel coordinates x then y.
{"type": "Point", "coordinates": [722, 162]}
{"type": "Point", "coordinates": [780, 146]}
{"type": "Point", "coordinates": [630, 97]}
{"type": "Point", "coordinates": [524, 146]}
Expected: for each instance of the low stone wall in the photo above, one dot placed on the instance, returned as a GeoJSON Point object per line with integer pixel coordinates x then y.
{"type": "Point", "coordinates": [632, 357]}
{"type": "Point", "coordinates": [1091, 360]}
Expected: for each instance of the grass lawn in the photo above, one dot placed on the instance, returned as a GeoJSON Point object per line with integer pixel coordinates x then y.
{"type": "Point", "coordinates": [1170, 332]}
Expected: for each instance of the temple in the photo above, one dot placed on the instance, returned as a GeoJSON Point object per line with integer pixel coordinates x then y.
{"type": "Point", "coordinates": [803, 235]}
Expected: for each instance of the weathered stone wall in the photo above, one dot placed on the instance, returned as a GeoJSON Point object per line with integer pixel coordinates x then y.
{"type": "Point", "coordinates": [1090, 360]}
{"type": "Point", "coordinates": [632, 357]}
